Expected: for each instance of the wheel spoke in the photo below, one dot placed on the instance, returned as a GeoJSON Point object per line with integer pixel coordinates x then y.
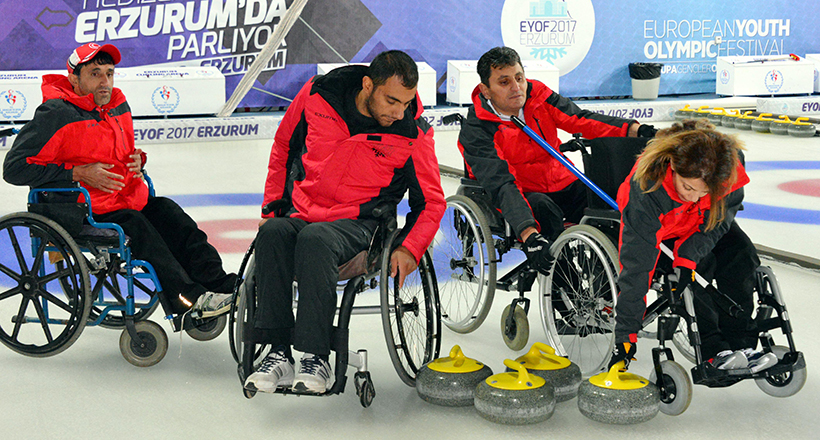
{"type": "Point", "coordinates": [18, 252]}
{"type": "Point", "coordinates": [43, 321]}
{"type": "Point", "coordinates": [21, 315]}
{"type": "Point", "coordinates": [9, 273]}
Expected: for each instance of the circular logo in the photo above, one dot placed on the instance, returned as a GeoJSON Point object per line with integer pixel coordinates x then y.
{"type": "Point", "coordinates": [724, 76]}
{"type": "Point", "coordinates": [165, 99]}
{"type": "Point", "coordinates": [559, 32]}
{"type": "Point", "coordinates": [773, 80]}
{"type": "Point", "coordinates": [12, 104]}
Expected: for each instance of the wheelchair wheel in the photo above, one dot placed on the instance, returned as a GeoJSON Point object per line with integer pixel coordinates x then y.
{"type": "Point", "coordinates": [113, 295]}
{"type": "Point", "coordinates": [247, 355]}
{"type": "Point", "coordinates": [517, 333]}
{"type": "Point", "coordinates": [678, 388]}
{"type": "Point", "coordinates": [43, 283]}
{"type": "Point", "coordinates": [782, 385]}
{"type": "Point", "coordinates": [208, 329]}
{"type": "Point", "coordinates": [153, 348]}
{"type": "Point", "coordinates": [464, 257]}
{"type": "Point", "coordinates": [578, 298]}
{"type": "Point", "coordinates": [681, 341]}
{"type": "Point", "coordinates": [410, 316]}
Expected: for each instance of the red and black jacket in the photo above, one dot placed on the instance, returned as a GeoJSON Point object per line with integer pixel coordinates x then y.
{"type": "Point", "coordinates": [69, 130]}
{"type": "Point", "coordinates": [647, 219]}
{"type": "Point", "coordinates": [328, 175]}
{"type": "Point", "coordinates": [508, 163]}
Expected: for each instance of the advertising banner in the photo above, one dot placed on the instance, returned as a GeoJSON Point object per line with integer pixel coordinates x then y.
{"type": "Point", "coordinates": [591, 42]}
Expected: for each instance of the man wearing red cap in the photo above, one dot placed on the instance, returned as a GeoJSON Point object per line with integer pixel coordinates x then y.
{"type": "Point", "coordinates": [83, 132]}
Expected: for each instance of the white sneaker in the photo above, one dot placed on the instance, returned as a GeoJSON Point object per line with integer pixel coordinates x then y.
{"type": "Point", "coordinates": [212, 304]}
{"type": "Point", "coordinates": [276, 371]}
{"type": "Point", "coordinates": [730, 360]}
{"type": "Point", "coordinates": [758, 360]}
{"type": "Point", "coordinates": [315, 375]}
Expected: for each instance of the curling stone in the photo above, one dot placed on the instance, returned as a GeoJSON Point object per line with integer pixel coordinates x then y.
{"type": "Point", "coordinates": [780, 126]}
{"type": "Point", "coordinates": [560, 372]}
{"type": "Point", "coordinates": [702, 112]}
{"type": "Point", "coordinates": [728, 120]}
{"type": "Point", "coordinates": [451, 381]}
{"type": "Point", "coordinates": [618, 397]}
{"type": "Point", "coordinates": [744, 122]}
{"type": "Point", "coordinates": [716, 116]}
{"type": "Point", "coordinates": [799, 128]}
{"type": "Point", "coordinates": [516, 398]}
{"type": "Point", "coordinates": [684, 113]}
{"type": "Point", "coordinates": [761, 123]}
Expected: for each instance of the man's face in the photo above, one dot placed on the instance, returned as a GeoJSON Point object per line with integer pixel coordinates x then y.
{"type": "Point", "coordinates": [507, 90]}
{"type": "Point", "coordinates": [387, 102]}
{"type": "Point", "coordinates": [94, 78]}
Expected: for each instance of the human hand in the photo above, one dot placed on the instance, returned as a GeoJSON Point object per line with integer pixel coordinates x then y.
{"type": "Point", "coordinates": [646, 130]}
{"type": "Point", "coordinates": [136, 166]}
{"type": "Point", "coordinates": [685, 278]}
{"type": "Point", "coordinates": [96, 176]}
{"type": "Point", "coordinates": [623, 351]}
{"type": "Point", "coordinates": [538, 253]}
{"type": "Point", "coordinates": [402, 262]}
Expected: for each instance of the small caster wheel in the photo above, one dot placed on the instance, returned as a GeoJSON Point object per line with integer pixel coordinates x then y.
{"type": "Point", "coordinates": [364, 388]}
{"type": "Point", "coordinates": [152, 349]}
{"type": "Point", "coordinates": [516, 332]}
{"type": "Point", "coordinates": [208, 329]}
{"type": "Point", "coordinates": [676, 389]}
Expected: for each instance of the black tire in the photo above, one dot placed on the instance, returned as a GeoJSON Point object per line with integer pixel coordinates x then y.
{"type": "Point", "coordinates": [464, 257]}
{"type": "Point", "coordinates": [153, 348]}
{"type": "Point", "coordinates": [42, 273]}
{"type": "Point", "coordinates": [678, 387]}
{"type": "Point", "coordinates": [244, 282]}
{"type": "Point", "coordinates": [248, 355]}
{"type": "Point", "coordinates": [578, 297]}
{"type": "Point", "coordinates": [782, 385]}
{"type": "Point", "coordinates": [208, 329]}
{"type": "Point", "coordinates": [411, 319]}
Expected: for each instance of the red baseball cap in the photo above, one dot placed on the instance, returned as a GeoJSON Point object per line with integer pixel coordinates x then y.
{"type": "Point", "coordinates": [86, 52]}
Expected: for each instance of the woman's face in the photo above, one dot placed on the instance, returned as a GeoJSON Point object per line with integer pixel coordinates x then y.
{"type": "Point", "coordinates": [689, 189]}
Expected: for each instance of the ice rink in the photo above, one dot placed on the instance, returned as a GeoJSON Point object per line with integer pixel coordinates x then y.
{"type": "Point", "coordinates": [91, 392]}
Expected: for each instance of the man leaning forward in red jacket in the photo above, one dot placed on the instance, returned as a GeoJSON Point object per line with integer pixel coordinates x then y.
{"type": "Point", "coordinates": [531, 188]}
{"type": "Point", "coordinates": [351, 140]}
{"type": "Point", "coordinates": [83, 132]}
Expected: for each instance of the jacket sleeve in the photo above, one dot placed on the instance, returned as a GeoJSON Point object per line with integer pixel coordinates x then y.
{"type": "Point", "coordinates": [285, 154]}
{"type": "Point", "coordinates": [44, 129]}
{"type": "Point", "coordinates": [426, 197]}
{"type": "Point", "coordinates": [493, 172]}
{"type": "Point", "coordinates": [572, 119]}
{"type": "Point", "coordinates": [640, 223]}
{"type": "Point", "coordinates": [690, 251]}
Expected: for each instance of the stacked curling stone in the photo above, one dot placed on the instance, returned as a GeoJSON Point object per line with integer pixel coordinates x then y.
{"type": "Point", "coordinates": [801, 128]}
{"type": "Point", "coordinates": [618, 397]}
{"type": "Point", "coordinates": [685, 113]}
{"type": "Point", "coordinates": [560, 372]}
{"type": "Point", "coordinates": [728, 120]}
{"type": "Point", "coordinates": [702, 112]}
{"type": "Point", "coordinates": [451, 381]}
{"type": "Point", "coordinates": [515, 398]}
{"type": "Point", "coordinates": [744, 121]}
{"type": "Point", "coordinates": [716, 116]}
{"type": "Point", "coordinates": [762, 122]}
{"type": "Point", "coordinates": [781, 125]}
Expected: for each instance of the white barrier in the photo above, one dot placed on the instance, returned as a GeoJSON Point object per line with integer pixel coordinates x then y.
{"type": "Point", "coordinates": [462, 78]}
{"type": "Point", "coordinates": [427, 79]}
{"type": "Point", "coordinates": [756, 76]}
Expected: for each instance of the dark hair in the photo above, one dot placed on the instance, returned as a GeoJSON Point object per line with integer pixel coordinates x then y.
{"type": "Point", "coordinates": [495, 58]}
{"type": "Point", "coordinates": [394, 63]}
{"type": "Point", "coordinates": [99, 59]}
{"type": "Point", "coordinates": [697, 151]}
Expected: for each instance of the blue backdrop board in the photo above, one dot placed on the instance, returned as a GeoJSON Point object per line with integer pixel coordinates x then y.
{"type": "Point", "coordinates": [590, 41]}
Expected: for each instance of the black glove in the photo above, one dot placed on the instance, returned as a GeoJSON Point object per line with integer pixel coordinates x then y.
{"type": "Point", "coordinates": [686, 277]}
{"type": "Point", "coordinates": [623, 351]}
{"type": "Point", "coordinates": [538, 253]}
{"type": "Point", "coordinates": [647, 131]}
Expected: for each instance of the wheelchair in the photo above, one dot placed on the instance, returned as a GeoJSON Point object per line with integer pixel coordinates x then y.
{"type": "Point", "coordinates": [62, 271]}
{"type": "Point", "coordinates": [411, 320]}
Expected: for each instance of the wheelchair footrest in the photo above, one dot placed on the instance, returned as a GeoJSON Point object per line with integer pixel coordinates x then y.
{"type": "Point", "coordinates": [707, 374]}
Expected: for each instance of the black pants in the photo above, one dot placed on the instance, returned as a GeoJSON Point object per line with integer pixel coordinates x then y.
{"type": "Point", "coordinates": [550, 209]}
{"type": "Point", "coordinates": [732, 264]}
{"type": "Point", "coordinates": [168, 238]}
{"type": "Point", "coordinates": [289, 249]}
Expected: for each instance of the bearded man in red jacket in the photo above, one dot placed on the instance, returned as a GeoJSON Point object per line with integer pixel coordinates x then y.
{"type": "Point", "coordinates": [530, 187]}
{"type": "Point", "coordinates": [83, 133]}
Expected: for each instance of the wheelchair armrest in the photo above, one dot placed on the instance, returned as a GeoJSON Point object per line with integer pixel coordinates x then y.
{"type": "Point", "coordinates": [386, 214]}
{"type": "Point", "coordinates": [576, 144]}
{"type": "Point", "coordinates": [277, 207]}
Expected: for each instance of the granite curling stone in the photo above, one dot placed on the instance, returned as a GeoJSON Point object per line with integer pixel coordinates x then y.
{"type": "Point", "coordinates": [744, 122]}
{"type": "Point", "coordinates": [619, 398]}
{"type": "Point", "coordinates": [684, 113]}
{"type": "Point", "coordinates": [780, 126]}
{"type": "Point", "coordinates": [701, 112]}
{"type": "Point", "coordinates": [802, 129]}
{"type": "Point", "coordinates": [451, 381]}
{"type": "Point", "coordinates": [761, 123]}
{"type": "Point", "coordinates": [716, 116]}
{"type": "Point", "coordinates": [728, 120]}
{"type": "Point", "coordinates": [516, 398]}
{"type": "Point", "coordinates": [560, 372]}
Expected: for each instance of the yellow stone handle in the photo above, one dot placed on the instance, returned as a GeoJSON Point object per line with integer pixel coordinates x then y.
{"type": "Point", "coordinates": [763, 115]}
{"type": "Point", "coordinates": [702, 107]}
{"type": "Point", "coordinates": [523, 374]}
{"type": "Point", "coordinates": [785, 118]}
{"type": "Point", "coordinates": [457, 356]}
{"type": "Point", "coordinates": [801, 119]}
{"type": "Point", "coordinates": [540, 347]}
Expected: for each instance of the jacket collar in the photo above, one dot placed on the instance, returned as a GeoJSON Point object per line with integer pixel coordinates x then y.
{"type": "Point", "coordinates": [58, 87]}
{"type": "Point", "coordinates": [536, 93]}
